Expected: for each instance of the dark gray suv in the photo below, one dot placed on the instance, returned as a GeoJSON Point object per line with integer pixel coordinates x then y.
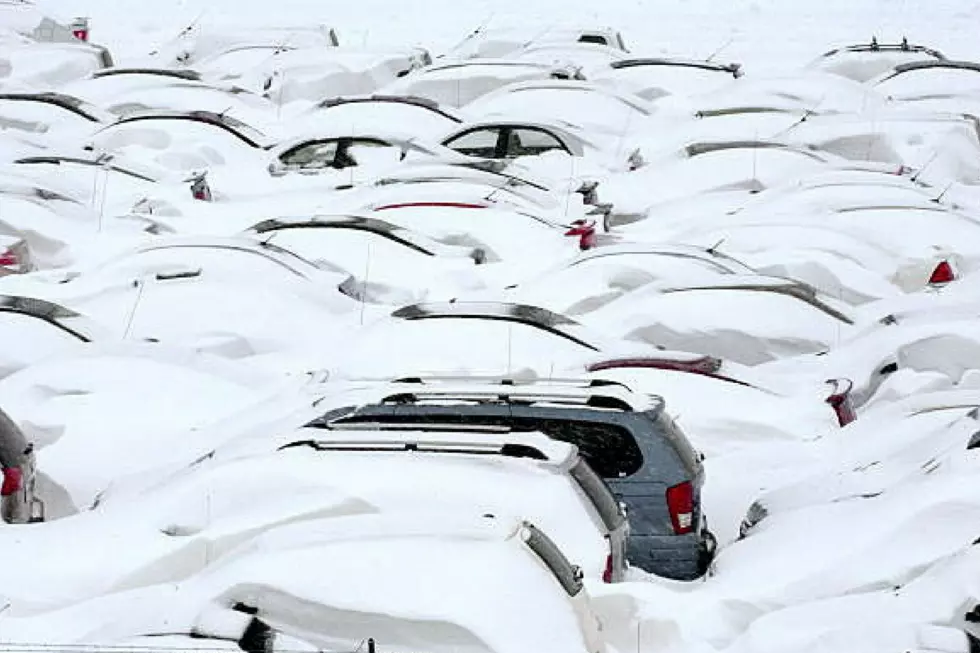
{"type": "Point", "coordinates": [626, 437]}
{"type": "Point", "coordinates": [18, 503]}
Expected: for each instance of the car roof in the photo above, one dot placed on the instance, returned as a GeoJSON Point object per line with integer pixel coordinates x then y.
{"type": "Point", "coordinates": [933, 64]}
{"type": "Point", "coordinates": [366, 437]}
{"type": "Point", "coordinates": [237, 128]}
{"type": "Point", "coordinates": [411, 100]}
{"type": "Point", "coordinates": [55, 314]}
{"type": "Point", "coordinates": [185, 74]}
{"type": "Point", "coordinates": [71, 103]}
{"type": "Point", "coordinates": [875, 46]}
{"type": "Point", "coordinates": [87, 159]}
{"type": "Point", "coordinates": [501, 310]}
{"type": "Point", "coordinates": [571, 392]}
{"type": "Point", "coordinates": [732, 68]}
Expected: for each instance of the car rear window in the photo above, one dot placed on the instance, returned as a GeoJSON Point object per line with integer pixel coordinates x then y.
{"type": "Point", "coordinates": [553, 558]}
{"type": "Point", "coordinates": [600, 495]}
{"type": "Point", "coordinates": [611, 451]}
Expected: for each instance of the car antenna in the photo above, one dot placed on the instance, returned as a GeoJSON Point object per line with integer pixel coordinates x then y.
{"type": "Point", "coordinates": [928, 163]}
{"type": "Point", "coordinates": [939, 198]}
{"type": "Point", "coordinates": [719, 50]}
{"type": "Point", "coordinates": [714, 248]}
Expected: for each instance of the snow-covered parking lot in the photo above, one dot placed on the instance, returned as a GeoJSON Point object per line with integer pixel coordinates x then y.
{"type": "Point", "coordinates": [489, 326]}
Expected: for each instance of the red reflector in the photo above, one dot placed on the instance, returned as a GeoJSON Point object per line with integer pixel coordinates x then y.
{"type": "Point", "coordinates": [12, 481]}
{"type": "Point", "coordinates": [607, 573]}
{"type": "Point", "coordinates": [585, 230]}
{"type": "Point", "coordinates": [9, 258]}
{"type": "Point", "coordinates": [841, 401]}
{"type": "Point", "coordinates": [443, 205]}
{"type": "Point", "coordinates": [680, 503]}
{"type": "Point", "coordinates": [942, 274]}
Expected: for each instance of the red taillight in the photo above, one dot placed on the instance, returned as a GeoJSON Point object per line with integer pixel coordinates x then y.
{"type": "Point", "coordinates": [585, 230]}
{"type": "Point", "coordinates": [200, 189]}
{"type": "Point", "coordinates": [840, 401]}
{"type": "Point", "coordinates": [607, 573]}
{"type": "Point", "coordinates": [441, 205]}
{"type": "Point", "coordinates": [942, 274]}
{"type": "Point", "coordinates": [12, 481]}
{"type": "Point", "coordinates": [680, 503]}
{"type": "Point", "coordinates": [79, 29]}
{"type": "Point", "coordinates": [9, 258]}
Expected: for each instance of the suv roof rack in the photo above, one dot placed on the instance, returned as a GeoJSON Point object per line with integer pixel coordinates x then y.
{"type": "Point", "coordinates": [473, 447]}
{"type": "Point", "coordinates": [514, 380]}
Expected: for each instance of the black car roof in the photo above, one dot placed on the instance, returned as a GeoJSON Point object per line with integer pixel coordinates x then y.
{"type": "Point", "coordinates": [189, 75]}
{"type": "Point", "coordinates": [233, 126]}
{"type": "Point", "coordinates": [684, 63]}
{"type": "Point", "coordinates": [43, 310]}
{"type": "Point", "coordinates": [68, 102]}
{"type": "Point", "coordinates": [413, 100]}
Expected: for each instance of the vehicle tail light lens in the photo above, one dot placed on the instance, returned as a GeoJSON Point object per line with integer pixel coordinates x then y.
{"type": "Point", "coordinates": [607, 573]}
{"type": "Point", "coordinates": [585, 230]}
{"type": "Point", "coordinates": [200, 189]}
{"type": "Point", "coordinates": [9, 258]}
{"type": "Point", "coordinates": [680, 503]}
{"type": "Point", "coordinates": [840, 400]}
{"type": "Point", "coordinates": [942, 274]}
{"type": "Point", "coordinates": [13, 479]}
{"type": "Point", "coordinates": [79, 29]}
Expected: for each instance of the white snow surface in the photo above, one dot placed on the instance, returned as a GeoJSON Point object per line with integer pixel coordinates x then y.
{"type": "Point", "coordinates": [157, 413]}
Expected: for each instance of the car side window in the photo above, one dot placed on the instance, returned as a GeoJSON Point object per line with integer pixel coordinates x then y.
{"type": "Point", "coordinates": [593, 38]}
{"type": "Point", "coordinates": [531, 142]}
{"type": "Point", "coordinates": [549, 553]}
{"type": "Point", "coordinates": [479, 142]}
{"type": "Point", "coordinates": [610, 450]}
{"type": "Point", "coordinates": [319, 154]}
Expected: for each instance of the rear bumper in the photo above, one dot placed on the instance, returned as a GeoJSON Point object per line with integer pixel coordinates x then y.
{"type": "Point", "coordinates": [679, 557]}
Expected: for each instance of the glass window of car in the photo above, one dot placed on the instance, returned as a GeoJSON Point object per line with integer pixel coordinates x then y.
{"type": "Point", "coordinates": [479, 142]}
{"type": "Point", "coordinates": [372, 153]}
{"type": "Point", "coordinates": [610, 450]}
{"type": "Point", "coordinates": [318, 154]}
{"type": "Point", "coordinates": [549, 553]}
{"type": "Point", "coordinates": [531, 142]}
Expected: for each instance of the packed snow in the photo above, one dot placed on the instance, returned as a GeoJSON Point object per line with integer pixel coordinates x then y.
{"type": "Point", "coordinates": [220, 220]}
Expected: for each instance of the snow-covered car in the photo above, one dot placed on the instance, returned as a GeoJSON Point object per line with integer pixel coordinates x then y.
{"type": "Point", "coordinates": [19, 503]}
{"type": "Point", "coordinates": [597, 110]}
{"type": "Point", "coordinates": [529, 475]}
{"type": "Point", "coordinates": [426, 117]}
{"type": "Point", "coordinates": [866, 61]}
{"type": "Point", "coordinates": [627, 438]}
{"type": "Point", "coordinates": [651, 78]}
{"type": "Point", "coordinates": [50, 113]}
{"type": "Point", "coordinates": [457, 83]}
{"type": "Point", "coordinates": [490, 42]}
{"type": "Point", "coordinates": [368, 151]}
{"type": "Point", "coordinates": [15, 254]}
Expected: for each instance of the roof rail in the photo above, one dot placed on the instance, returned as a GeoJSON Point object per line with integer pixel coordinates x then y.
{"type": "Point", "coordinates": [514, 380]}
{"type": "Point", "coordinates": [510, 450]}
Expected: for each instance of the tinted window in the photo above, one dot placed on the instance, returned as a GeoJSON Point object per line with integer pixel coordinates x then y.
{"type": "Point", "coordinates": [610, 450]}
{"type": "Point", "coordinates": [313, 155]}
{"type": "Point", "coordinates": [600, 495]}
{"type": "Point", "coordinates": [593, 38]}
{"type": "Point", "coordinates": [555, 560]}
{"type": "Point", "coordinates": [531, 142]}
{"type": "Point", "coordinates": [481, 143]}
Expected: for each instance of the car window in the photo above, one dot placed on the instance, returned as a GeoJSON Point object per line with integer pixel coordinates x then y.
{"type": "Point", "coordinates": [373, 153]}
{"type": "Point", "coordinates": [549, 553]}
{"type": "Point", "coordinates": [531, 142]}
{"type": "Point", "coordinates": [610, 450]}
{"type": "Point", "coordinates": [319, 154]}
{"type": "Point", "coordinates": [593, 38]}
{"type": "Point", "coordinates": [599, 493]}
{"type": "Point", "coordinates": [480, 142]}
